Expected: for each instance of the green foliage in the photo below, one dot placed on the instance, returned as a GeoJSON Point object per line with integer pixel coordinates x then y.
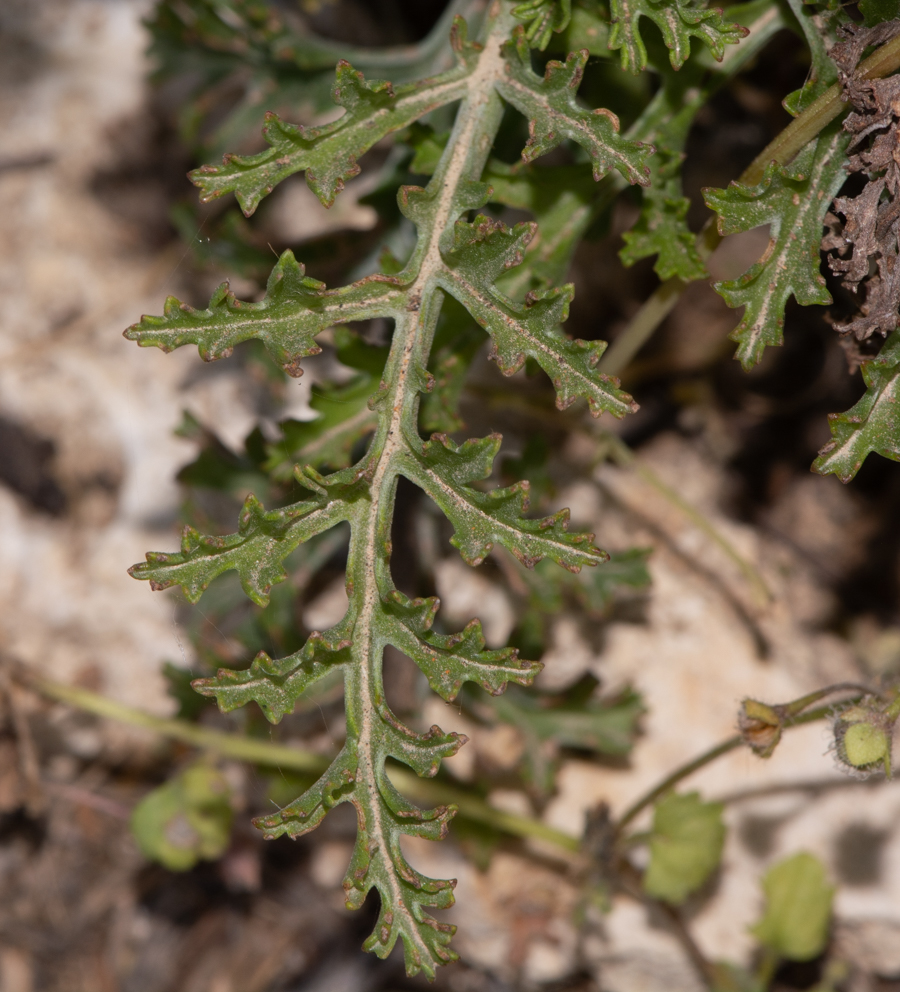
{"type": "Point", "coordinates": [685, 846]}
{"type": "Point", "coordinates": [185, 819]}
{"type": "Point", "coordinates": [678, 20]}
{"type": "Point", "coordinates": [452, 256]}
{"type": "Point", "coordinates": [872, 424]}
{"type": "Point", "coordinates": [542, 18]}
{"type": "Point", "coordinates": [554, 113]}
{"type": "Point", "coordinates": [798, 908]}
{"type": "Point", "coordinates": [451, 270]}
{"type": "Point", "coordinates": [793, 200]}
{"type": "Point", "coordinates": [575, 718]}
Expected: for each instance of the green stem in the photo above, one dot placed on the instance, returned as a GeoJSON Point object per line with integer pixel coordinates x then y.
{"type": "Point", "coordinates": [683, 771]}
{"type": "Point", "coordinates": [818, 115]}
{"type": "Point", "coordinates": [642, 326]}
{"type": "Point", "coordinates": [259, 752]}
{"type": "Point", "coordinates": [241, 748]}
{"type": "Point", "coordinates": [622, 454]}
{"type": "Point", "coordinates": [782, 149]}
{"type": "Point", "coordinates": [471, 807]}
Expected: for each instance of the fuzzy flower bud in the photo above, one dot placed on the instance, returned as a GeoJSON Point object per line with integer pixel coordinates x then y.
{"type": "Point", "coordinates": [863, 736]}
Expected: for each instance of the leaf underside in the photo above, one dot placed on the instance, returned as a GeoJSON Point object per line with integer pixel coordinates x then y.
{"type": "Point", "coordinates": [454, 257]}
{"type": "Point", "coordinates": [793, 201]}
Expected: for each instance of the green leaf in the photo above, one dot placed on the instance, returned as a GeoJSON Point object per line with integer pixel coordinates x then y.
{"type": "Point", "coordinates": [462, 261]}
{"type": "Point", "coordinates": [793, 201]}
{"type": "Point", "coordinates": [685, 846]}
{"type": "Point", "coordinates": [554, 114]}
{"type": "Point", "coordinates": [328, 154]}
{"type": "Point", "coordinates": [574, 718]}
{"type": "Point", "coordinates": [184, 820]}
{"type": "Point", "coordinates": [798, 908]}
{"type": "Point", "coordinates": [384, 814]}
{"type": "Point", "coordinates": [563, 200]}
{"type": "Point", "coordinates": [542, 18]}
{"type": "Point", "coordinates": [481, 251]}
{"type": "Point", "coordinates": [277, 685]}
{"type": "Point", "coordinates": [876, 11]}
{"type": "Point", "coordinates": [600, 725]}
{"type": "Point", "coordinates": [597, 588]}
{"type": "Point", "coordinates": [257, 551]}
{"type": "Point", "coordinates": [294, 310]}
{"type": "Point", "coordinates": [252, 48]}
{"type": "Point", "coordinates": [449, 660]}
{"type": "Point", "coordinates": [873, 424]}
{"type": "Point", "coordinates": [344, 419]}
{"type": "Point", "coordinates": [444, 470]}
{"type": "Point", "coordinates": [662, 230]}
{"type": "Point", "coordinates": [678, 20]}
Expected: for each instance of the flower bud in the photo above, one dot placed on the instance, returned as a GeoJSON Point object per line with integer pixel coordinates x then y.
{"type": "Point", "coordinates": [760, 726]}
{"type": "Point", "coordinates": [862, 739]}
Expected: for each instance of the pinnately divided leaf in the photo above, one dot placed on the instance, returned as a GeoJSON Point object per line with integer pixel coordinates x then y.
{"type": "Point", "coordinates": [276, 685]}
{"type": "Point", "coordinates": [678, 20]}
{"type": "Point", "coordinates": [256, 551]}
{"type": "Point", "coordinates": [481, 251]}
{"type": "Point", "coordinates": [482, 519]}
{"type": "Point", "coordinates": [793, 200]}
{"type": "Point", "coordinates": [329, 153]}
{"type": "Point", "coordinates": [873, 424]}
{"type": "Point", "coordinates": [454, 258]}
{"type": "Point", "coordinates": [294, 310]}
{"type": "Point", "coordinates": [554, 114]}
{"type": "Point", "coordinates": [449, 660]}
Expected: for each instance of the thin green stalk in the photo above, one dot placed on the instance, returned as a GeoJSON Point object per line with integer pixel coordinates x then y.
{"type": "Point", "coordinates": [642, 326]}
{"type": "Point", "coordinates": [269, 754]}
{"type": "Point", "coordinates": [818, 115]}
{"type": "Point", "coordinates": [622, 454]}
{"type": "Point", "coordinates": [707, 757]}
{"type": "Point", "coordinates": [240, 748]}
{"type": "Point", "coordinates": [783, 148]}
{"type": "Point", "coordinates": [471, 807]}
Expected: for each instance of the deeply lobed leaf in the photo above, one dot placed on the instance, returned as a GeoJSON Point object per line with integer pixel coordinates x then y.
{"type": "Point", "coordinates": [554, 114]}
{"type": "Point", "coordinates": [481, 251]}
{"type": "Point", "coordinates": [294, 310]}
{"type": "Point", "coordinates": [482, 519]}
{"type": "Point", "coordinates": [329, 153]}
{"type": "Point", "coordinates": [449, 660]}
{"type": "Point", "coordinates": [873, 424]}
{"type": "Point", "coordinates": [678, 20]}
{"type": "Point", "coordinates": [793, 201]}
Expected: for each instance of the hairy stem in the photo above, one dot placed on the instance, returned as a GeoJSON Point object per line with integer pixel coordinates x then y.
{"type": "Point", "coordinates": [271, 755]}
{"type": "Point", "coordinates": [707, 757]}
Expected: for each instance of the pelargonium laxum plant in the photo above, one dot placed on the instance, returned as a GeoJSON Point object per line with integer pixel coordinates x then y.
{"type": "Point", "coordinates": [509, 279]}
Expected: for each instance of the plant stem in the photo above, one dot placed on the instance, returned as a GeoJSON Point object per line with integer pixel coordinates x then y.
{"type": "Point", "coordinates": [229, 745]}
{"type": "Point", "coordinates": [471, 807]}
{"type": "Point", "coordinates": [659, 305]}
{"type": "Point", "coordinates": [783, 148]}
{"type": "Point", "coordinates": [281, 756]}
{"type": "Point", "coordinates": [818, 115]}
{"type": "Point", "coordinates": [622, 454]}
{"type": "Point", "coordinates": [683, 771]}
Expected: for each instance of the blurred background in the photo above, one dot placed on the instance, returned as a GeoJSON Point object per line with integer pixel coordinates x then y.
{"type": "Point", "coordinates": [106, 450]}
